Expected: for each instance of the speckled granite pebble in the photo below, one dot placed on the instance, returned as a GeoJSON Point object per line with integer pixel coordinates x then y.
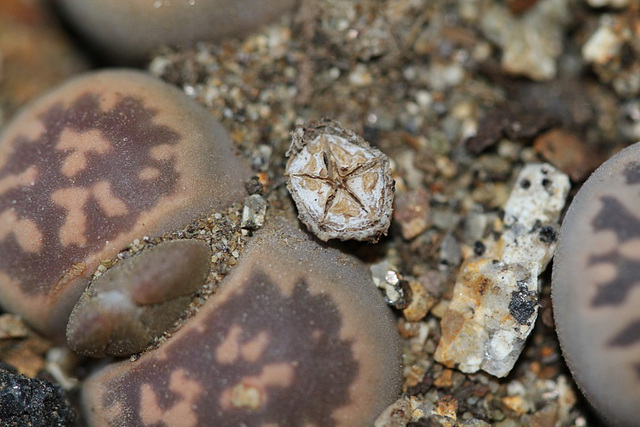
{"type": "Point", "coordinates": [495, 301]}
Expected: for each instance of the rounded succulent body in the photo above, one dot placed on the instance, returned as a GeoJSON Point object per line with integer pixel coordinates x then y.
{"type": "Point", "coordinates": [102, 160]}
{"type": "Point", "coordinates": [296, 335]}
{"type": "Point", "coordinates": [130, 29]}
{"type": "Point", "coordinates": [596, 287]}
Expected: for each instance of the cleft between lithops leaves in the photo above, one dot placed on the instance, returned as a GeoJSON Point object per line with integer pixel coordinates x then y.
{"type": "Point", "coordinates": [138, 299]}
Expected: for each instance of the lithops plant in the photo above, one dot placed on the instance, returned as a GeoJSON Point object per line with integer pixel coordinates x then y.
{"type": "Point", "coordinates": [296, 335]}
{"type": "Point", "coordinates": [131, 29]}
{"type": "Point", "coordinates": [596, 288]}
{"type": "Point", "coordinates": [104, 159]}
{"type": "Point", "coordinates": [342, 186]}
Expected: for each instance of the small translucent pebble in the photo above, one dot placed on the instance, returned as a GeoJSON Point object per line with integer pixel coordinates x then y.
{"type": "Point", "coordinates": [138, 299]}
{"type": "Point", "coordinates": [342, 186]}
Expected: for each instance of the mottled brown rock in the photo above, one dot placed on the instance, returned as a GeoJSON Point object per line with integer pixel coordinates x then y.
{"type": "Point", "coordinates": [596, 291]}
{"type": "Point", "coordinates": [411, 212]}
{"type": "Point", "coordinates": [20, 347]}
{"type": "Point", "coordinates": [100, 161]}
{"type": "Point", "coordinates": [297, 335]}
{"type": "Point", "coordinates": [138, 299]}
{"type": "Point", "coordinates": [131, 29]}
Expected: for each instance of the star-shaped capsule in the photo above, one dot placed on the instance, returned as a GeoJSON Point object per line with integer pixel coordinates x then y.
{"type": "Point", "coordinates": [342, 186]}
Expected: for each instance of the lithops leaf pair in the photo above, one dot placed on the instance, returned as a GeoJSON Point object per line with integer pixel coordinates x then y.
{"type": "Point", "coordinates": [596, 288]}
{"type": "Point", "coordinates": [103, 160]}
{"type": "Point", "coordinates": [342, 186]}
{"type": "Point", "coordinates": [296, 335]}
{"type": "Point", "coordinates": [131, 29]}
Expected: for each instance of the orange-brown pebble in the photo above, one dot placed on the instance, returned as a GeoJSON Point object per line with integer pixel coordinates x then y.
{"type": "Point", "coordinates": [568, 153]}
{"type": "Point", "coordinates": [411, 212]}
{"type": "Point", "coordinates": [131, 29]}
{"type": "Point", "coordinates": [421, 302]}
{"type": "Point", "coordinates": [445, 380]}
{"type": "Point", "coordinates": [104, 159]}
{"type": "Point", "coordinates": [297, 335]}
{"type": "Point", "coordinates": [517, 404]}
{"type": "Point", "coordinates": [20, 347]}
{"type": "Point", "coordinates": [447, 406]}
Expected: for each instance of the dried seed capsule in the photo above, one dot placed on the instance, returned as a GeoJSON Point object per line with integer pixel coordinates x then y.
{"type": "Point", "coordinates": [297, 335]}
{"type": "Point", "coordinates": [341, 185]}
{"type": "Point", "coordinates": [138, 299]}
